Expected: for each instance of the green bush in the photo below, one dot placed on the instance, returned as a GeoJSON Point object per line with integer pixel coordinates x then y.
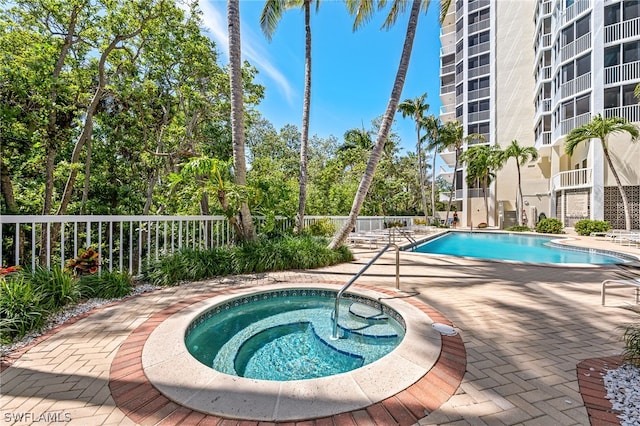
{"type": "Point", "coordinates": [56, 287]}
{"type": "Point", "coordinates": [587, 226]}
{"type": "Point", "coordinates": [262, 255]}
{"type": "Point", "coordinates": [518, 228]}
{"type": "Point", "coordinates": [105, 285]}
{"type": "Point", "coordinates": [21, 307]}
{"type": "Point", "coordinates": [549, 226]}
{"type": "Point", "coordinates": [321, 228]}
{"type": "Point", "coordinates": [631, 338]}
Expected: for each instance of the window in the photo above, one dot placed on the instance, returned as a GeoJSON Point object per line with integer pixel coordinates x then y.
{"type": "Point", "coordinates": [628, 97]}
{"type": "Point", "coordinates": [583, 65]}
{"type": "Point", "coordinates": [631, 52]}
{"type": "Point", "coordinates": [480, 83]}
{"type": "Point", "coordinates": [459, 25]}
{"type": "Point", "coordinates": [479, 38]}
{"type": "Point", "coordinates": [567, 35]}
{"type": "Point", "coordinates": [612, 97]}
{"type": "Point", "coordinates": [582, 26]}
{"type": "Point", "coordinates": [568, 72]}
{"type": "Point", "coordinates": [631, 9]}
{"type": "Point", "coordinates": [611, 56]}
{"type": "Point", "coordinates": [567, 110]}
{"type": "Point", "coordinates": [459, 68]}
{"type": "Point", "coordinates": [459, 111]}
{"type": "Point", "coordinates": [612, 14]}
{"type": "Point", "coordinates": [459, 47]}
{"type": "Point", "coordinates": [479, 106]}
{"type": "Point", "coordinates": [583, 105]}
{"type": "Point", "coordinates": [459, 89]}
{"type": "Point", "coordinates": [478, 61]}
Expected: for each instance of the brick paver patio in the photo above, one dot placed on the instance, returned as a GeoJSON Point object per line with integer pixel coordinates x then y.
{"type": "Point", "coordinates": [524, 329]}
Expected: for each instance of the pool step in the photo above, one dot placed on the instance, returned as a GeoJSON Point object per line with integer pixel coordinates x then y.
{"type": "Point", "coordinates": [367, 312]}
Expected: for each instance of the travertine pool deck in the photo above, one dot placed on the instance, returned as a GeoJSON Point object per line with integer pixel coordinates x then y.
{"type": "Point", "coordinates": [523, 331]}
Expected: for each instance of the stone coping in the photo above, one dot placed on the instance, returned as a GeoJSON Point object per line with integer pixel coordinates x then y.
{"type": "Point", "coordinates": [181, 378]}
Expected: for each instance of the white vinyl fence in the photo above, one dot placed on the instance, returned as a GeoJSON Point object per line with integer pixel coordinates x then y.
{"type": "Point", "coordinates": [126, 243]}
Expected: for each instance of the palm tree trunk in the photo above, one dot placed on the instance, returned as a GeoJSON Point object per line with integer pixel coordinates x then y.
{"type": "Point", "coordinates": [421, 175]}
{"type": "Point", "coordinates": [455, 174]}
{"type": "Point", "coordinates": [247, 232]}
{"type": "Point", "coordinates": [520, 197]}
{"type": "Point", "coordinates": [305, 119]}
{"type": "Point", "coordinates": [387, 120]}
{"type": "Point", "coordinates": [623, 194]}
{"type": "Point", "coordinates": [433, 185]}
{"type": "Point", "coordinates": [486, 201]}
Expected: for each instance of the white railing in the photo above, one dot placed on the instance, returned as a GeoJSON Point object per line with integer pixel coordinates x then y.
{"type": "Point", "coordinates": [447, 69]}
{"type": "Point", "coordinates": [477, 193]}
{"type": "Point", "coordinates": [447, 49]}
{"type": "Point", "coordinates": [127, 243]}
{"type": "Point", "coordinates": [543, 42]}
{"type": "Point", "coordinates": [542, 106]}
{"type": "Point", "coordinates": [479, 26]}
{"type": "Point", "coordinates": [630, 112]}
{"type": "Point", "coordinates": [577, 85]}
{"type": "Point", "coordinates": [479, 48]}
{"type": "Point", "coordinates": [543, 9]}
{"type": "Point", "coordinates": [543, 139]}
{"type": "Point", "coordinates": [623, 72]}
{"type": "Point", "coordinates": [478, 116]}
{"type": "Point", "coordinates": [579, 178]}
{"type": "Point", "coordinates": [568, 125]}
{"type": "Point", "coordinates": [480, 93]}
{"type": "Point", "coordinates": [477, 4]}
{"type": "Point", "coordinates": [544, 73]}
{"type": "Point", "coordinates": [447, 89]}
{"type": "Point", "coordinates": [481, 70]}
{"type": "Point", "coordinates": [622, 30]}
{"type": "Point", "coordinates": [576, 47]}
{"type": "Point", "coordinates": [575, 10]}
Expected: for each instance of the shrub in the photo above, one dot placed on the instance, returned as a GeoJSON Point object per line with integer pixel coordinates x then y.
{"type": "Point", "coordinates": [21, 307]}
{"type": "Point", "coordinates": [518, 228]}
{"type": "Point", "coordinates": [321, 228]}
{"type": "Point", "coordinates": [56, 287]}
{"type": "Point", "coordinates": [106, 285]}
{"type": "Point", "coordinates": [87, 262]}
{"type": "Point", "coordinates": [631, 338]}
{"type": "Point", "coordinates": [549, 226]}
{"type": "Point", "coordinates": [587, 226]}
{"type": "Point", "coordinates": [419, 221]}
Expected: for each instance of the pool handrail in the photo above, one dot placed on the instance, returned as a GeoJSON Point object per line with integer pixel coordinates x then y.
{"type": "Point", "coordinates": [336, 310]}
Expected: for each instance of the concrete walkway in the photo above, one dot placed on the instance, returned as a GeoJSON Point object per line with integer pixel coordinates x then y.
{"type": "Point", "coordinates": [524, 328]}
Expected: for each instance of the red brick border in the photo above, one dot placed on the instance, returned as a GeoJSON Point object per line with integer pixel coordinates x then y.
{"type": "Point", "coordinates": [144, 404]}
{"type": "Point", "coordinates": [591, 374]}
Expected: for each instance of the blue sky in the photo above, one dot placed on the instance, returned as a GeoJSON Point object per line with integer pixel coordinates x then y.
{"type": "Point", "coordinates": [352, 72]}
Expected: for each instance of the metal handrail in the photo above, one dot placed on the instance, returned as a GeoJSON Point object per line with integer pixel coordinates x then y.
{"type": "Point", "coordinates": [336, 311]}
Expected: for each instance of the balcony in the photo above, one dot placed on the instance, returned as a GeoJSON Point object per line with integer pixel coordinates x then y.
{"type": "Point", "coordinates": [577, 85]}
{"type": "Point", "coordinates": [580, 178]}
{"type": "Point", "coordinates": [569, 124]}
{"type": "Point", "coordinates": [447, 69]}
{"type": "Point", "coordinates": [544, 73]}
{"type": "Point", "coordinates": [447, 89]}
{"type": "Point", "coordinates": [629, 112]}
{"type": "Point", "coordinates": [473, 5]}
{"type": "Point", "coordinates": [478, 116]}
{"type": "Point", "coordinates": [479, 48]}
{"type": "Point", "coordinates": [479, 26]}
{"type": "Point", "coordinates": [543, 140]}
{"type": "Point", "coordinates": [542, 107]}
{"type": "Point", "coordinates": [576, 47]}
{"type": "Point", "coordinates": [543, 10]}
{"type": "Point", "coordinates": [449, 158]}
{"type": "Point", "coordinates": [480, 93]}
{"type": "Point", "coordinates": [478, 71]}
{"type": "Point", "coordinates": [543, 42]}
{"type": "Point", "coordinates": [447, 49]}
{"type": "Point", "coordinates": [622, 30]}
{"type": "Point", "coordinates": [623, 72]}
{"type": "Point", "coordinates": [448, 35]}
{"type": "Point", "coordinates": [575, 10]}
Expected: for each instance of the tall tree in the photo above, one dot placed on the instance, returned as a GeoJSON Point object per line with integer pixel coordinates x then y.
{"type": "Point", "coordinates": [415, 108]}
{"type": "Point", "coordinates": [271, 15]}
{"type": "Point", "coordinates": [363, 11]}
{"type": "Point", "coordinates": [237, 116]}
{"type": "Point", "coordinates": [482, 163]}
{"type": "Point", "coordinates": [522, 155]}
{"type": "Point", "coordinates": [433, 126]}
{"type": "Point", "coordinates": [601, 128]}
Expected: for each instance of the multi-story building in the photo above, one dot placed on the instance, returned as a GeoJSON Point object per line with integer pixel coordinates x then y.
{"type": "Point", "coordinates": [532, 71]}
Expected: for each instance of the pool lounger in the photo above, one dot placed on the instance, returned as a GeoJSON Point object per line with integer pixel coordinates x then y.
{"type": "Point", "coordinates": [634, 282]}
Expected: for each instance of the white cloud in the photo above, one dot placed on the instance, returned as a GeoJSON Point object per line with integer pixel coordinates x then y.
{"type": "Point", "coordinates": [214, 18]}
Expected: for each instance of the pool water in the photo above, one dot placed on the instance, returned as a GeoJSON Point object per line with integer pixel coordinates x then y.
{"type": "Point", "coordinates": [288, 336]}
{"type": "Point", "coordinates": [516, 247]}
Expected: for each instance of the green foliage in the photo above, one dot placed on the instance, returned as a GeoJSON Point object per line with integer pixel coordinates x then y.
{"type": "Point", "coordinates": [21, 307]}
{"type": "Point", "coordinates": [262, 255]}
{"type": "Point", "coordinates": [587, 226]}
{"type": "Point", "coordinates": [631, 338]}
{"type": "Point", "coordinates": [549, 226]}
{"type": "Point", "coordinates": [105, 285]}
{"type": "Point", "coordinates": [321, 228]}
{"type": "Point", "coordinates": [518, 228]}
{"type": "Point", "coordinates": [56, 287]}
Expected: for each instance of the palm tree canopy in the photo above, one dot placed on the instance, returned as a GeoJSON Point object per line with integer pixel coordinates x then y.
{"type": "Point", "coordinates": [522, 154]}
{"type": "Point", "coordinates": [414, 108]}
{"type": "Point", "coordinates": [363, 11]}
{"type": "Point", "coordinates": [599, 128]}
{"type": "Point", "coordinates": [272, 13]}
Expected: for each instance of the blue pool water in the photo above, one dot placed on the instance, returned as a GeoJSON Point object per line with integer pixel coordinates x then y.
{"type": "Point", "coordinates": [516, 247]}
{"type": "Point", "coordinates": [286, 335]}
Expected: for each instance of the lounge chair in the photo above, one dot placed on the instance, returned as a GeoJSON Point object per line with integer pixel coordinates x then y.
{"type": "Point", "coordinates": [630, 281]}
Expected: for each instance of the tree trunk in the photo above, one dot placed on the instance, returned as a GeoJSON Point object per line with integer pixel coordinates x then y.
{"type": "Point", "coordinates": [7, 189]}
{"type": "Point", "coordinates": [304, 141]}
{"type": "Point", "coordinates": [486, 201]}
{"type": "Point", "coordinates": [623, 194]}
{"type": "Point", "coordinates": [520, 197]}
{"type": "Point", "coordinates": [341, 235]}
{"type": "Point", "coordinates": [87, 179]}
{"type": "Point", "coordinates": [247, 232]}
{"type": "Point", "coordinates": [433, 185]}
{"type": "Point", "coordinates": [455, 174]}
{"type": "Point", "coordinates": [421, 175]}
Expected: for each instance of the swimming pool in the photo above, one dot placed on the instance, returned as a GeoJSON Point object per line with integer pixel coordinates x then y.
{"type": "Point", "coordinates": [513, 247]}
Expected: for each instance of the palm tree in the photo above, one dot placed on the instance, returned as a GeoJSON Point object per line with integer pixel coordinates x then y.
{"type": "Point", "coordinates": [245, 222]}
{"type": "Point", "coordinates": [271, 15]}
{"type": "Point", "coordinates": [522, 155]}
{"type": "Point", "coordinates": [433, 126]}
{"type": "Point", "coordinates": [482, 163]}
{"type": "Point", "coordinates": [363, 10]}
{"type": "Point", "coordinates": [601, 128]}
{"type": "Point", "coordinates": [416, 108]}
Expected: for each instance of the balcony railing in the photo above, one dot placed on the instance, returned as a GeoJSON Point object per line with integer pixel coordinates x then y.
{"type": "Point", "coordinates": [576, 85]}
{"type": "Point", "coordinates": [543, 139]}
{"type": "Point", "coordinates": [478, 71]}
{"type": "Point", "coordinates": [447, 89]}
{"type": "Point", "coordinates": [623, 72]}
{"type": "Point", "coordinates": [478, 116]}
{"type": "Point", "coordinates": [447, 69]}
{"type": "Point", "coordinates": [543, 9]}
{"type": "Point", "coordinates": [622, 30]}
{"type": "Point", "coordinates": [479, 26]}
{"type": "Point", "coordinates": [543, 106]}
{"type": "Point", "coordinates": [479, 48]}
{"type": "Point", "coordinates": [480, 93]}
{"type": "Point", "coordinates": [543, 42]}
{"type": "Point", "coordinates": [477, 4]}
{"type": "Point", "coordinates": [630, 112]}
{"type": "Point", "coordinates": [575, 10]}
{"type": "Point", "coordinates": [576, 47]}
{"type": "Point", "coordinates": [544, 73]}
{"type": "Point", "coordinates": [568, 125]}
{"type": "Point", "coordinates": [579, 178]}
{"type": "Point", "coordinates": [447, 49]}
